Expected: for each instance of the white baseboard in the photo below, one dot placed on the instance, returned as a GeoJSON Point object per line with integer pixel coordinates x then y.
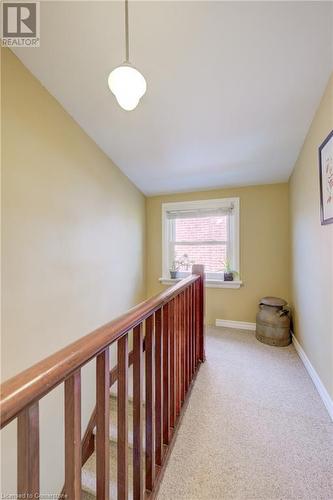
{"type": "Point", "coordinates": [314, 377]}
{"type": "Point", "coordinates": [327, 400]}
{"type": "Point", "coordinates": [243, 325]}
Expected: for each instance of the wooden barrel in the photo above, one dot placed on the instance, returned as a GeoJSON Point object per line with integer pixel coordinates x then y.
{"type": "Point", "coordinates": [273, 322]}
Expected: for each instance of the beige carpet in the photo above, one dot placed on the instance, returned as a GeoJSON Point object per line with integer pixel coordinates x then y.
{"type": "Point", "coordinates": [255, 428]}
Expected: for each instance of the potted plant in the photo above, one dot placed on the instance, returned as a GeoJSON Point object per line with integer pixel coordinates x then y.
{"type": "Point", "coordinates": [185, 266]}
{"type": "Point", "coordinates": [181, 268]}
{"type": "Point", "coordinates": [174, 269]}
{"type": "Point", "coordinates": [229, 274]}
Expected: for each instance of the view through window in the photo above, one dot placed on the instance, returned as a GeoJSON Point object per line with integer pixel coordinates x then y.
{"type": "Point", "coordinates": [203, 239]}
{"type": "Point", "coordinates": [201, 232]}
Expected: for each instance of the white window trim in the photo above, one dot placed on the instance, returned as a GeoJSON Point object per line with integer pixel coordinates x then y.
{"type": "Point", "coordinates": [234, 237]}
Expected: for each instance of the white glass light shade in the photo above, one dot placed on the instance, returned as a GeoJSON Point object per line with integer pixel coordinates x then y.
{"type": "Point", "coordinates": [128, 86]}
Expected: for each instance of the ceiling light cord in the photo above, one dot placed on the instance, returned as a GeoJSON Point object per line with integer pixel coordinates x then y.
{"type": "Point", "coordinates": [126, 32]}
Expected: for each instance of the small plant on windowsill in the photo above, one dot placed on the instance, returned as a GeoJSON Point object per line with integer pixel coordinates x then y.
{"type": "Point", "coordinates": [229, 274]}
{"type": "Point", "coordinates": [175, 266]}
{"type": "Point", "coordinates": [181, 268]}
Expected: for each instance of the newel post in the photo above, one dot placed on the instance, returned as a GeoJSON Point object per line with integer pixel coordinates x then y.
{"type": "Point", "coordinates": [200, 270]}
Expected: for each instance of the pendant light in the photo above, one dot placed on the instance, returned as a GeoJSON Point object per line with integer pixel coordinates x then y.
{"type": "Point", "coordinates": [125, 82]}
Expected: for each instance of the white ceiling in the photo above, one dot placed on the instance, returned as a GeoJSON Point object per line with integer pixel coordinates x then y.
{"type": "Point", "coordinates": [232, 86]}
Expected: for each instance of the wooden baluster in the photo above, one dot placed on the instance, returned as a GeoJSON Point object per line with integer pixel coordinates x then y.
{"type": "Point", "coordinates": [102, 424]}
{"type": "Point", "coordinates": [181, 352]}
{"type": "Point", "coordinates": [197, 322]}
{"type": "Point", "coordinates": [198, 269]}
{"type": "Point", "coordinates": [166, 374]}
{"type": "Point", "coordinates": [173, 361]}
{"type": "Point", "coordinates": [193, 328]}
{"type": "Point", "coordinates": [88, 440]}
{"type": "Point", "coordinates": [150, 404]}
{"type": "Point", "coordinates": [189, 336]}
{"type": "Point", "coordinates": [191, 331]}
{"type": "Point", "coordinates": [28, 452]}
{"type": "Point", "coordinates": [178, 354]}
{"type": "Point", "coordinates": [122, 419]}
{"type": "Point", "coordinates": [158, 386]}
{"type": "Point", "coordinates": [185, 341]}
{"type": "Point", "coordinates": [73, 436]}
{"type": "Point", "coordinates": [138, 486]}
{"type": "Point", "coordinates": [188, 349]}
{"type": "Point", "coordinates": [183, 348]}
{"type": "Point", "coordinates": [188, 344]}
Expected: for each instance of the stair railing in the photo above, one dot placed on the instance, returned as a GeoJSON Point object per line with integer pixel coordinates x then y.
{"type": "Point", "coordinates": [169, 327]}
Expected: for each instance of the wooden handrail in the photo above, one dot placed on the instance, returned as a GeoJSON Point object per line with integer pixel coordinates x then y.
{"type": "Point", "coordinates": [32, 384]}
{"type": "Point", "coordinates": [168, 349]}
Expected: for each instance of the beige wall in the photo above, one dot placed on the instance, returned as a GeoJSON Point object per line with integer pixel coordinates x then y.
{"type": "Point", "coordinates": [73, 235]}
{"type": "Point", "coordinates": [312, 250]}
{"type": "Point", "coordinates": [73, 242]}
{"type": "Point", "coordinates": [264, 249]}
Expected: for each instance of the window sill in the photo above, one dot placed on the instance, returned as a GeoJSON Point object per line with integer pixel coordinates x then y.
{"type": "Point", "coordinates": [208, 283]}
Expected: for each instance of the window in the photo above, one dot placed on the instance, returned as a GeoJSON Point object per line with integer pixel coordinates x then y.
{"type": "Point", "coordinates": [205, 232]}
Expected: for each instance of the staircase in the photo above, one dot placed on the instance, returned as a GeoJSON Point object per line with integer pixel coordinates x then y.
{"type": "Point", "coordinates": [88, 477]}
{"type": "Point", "coordinates": [127, 443]}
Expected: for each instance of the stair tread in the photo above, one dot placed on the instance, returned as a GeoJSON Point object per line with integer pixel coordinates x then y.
{"type": "Point", "coordinates": [89, 474]}
{"type": "Point", "coordinates": [85, 495]}
{"type": "Point", "coordinates": [113, 422]}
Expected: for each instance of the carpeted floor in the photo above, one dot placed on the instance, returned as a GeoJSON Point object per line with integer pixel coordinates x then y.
{"type": "Point", "coordinates": [255, 428]}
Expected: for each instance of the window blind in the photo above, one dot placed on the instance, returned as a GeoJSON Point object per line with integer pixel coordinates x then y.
{"type": "Point", "coordinates": [199, 212]}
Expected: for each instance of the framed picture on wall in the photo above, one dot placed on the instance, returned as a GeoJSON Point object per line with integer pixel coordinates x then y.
{"type": "Point", "coordinates": [326, 179]}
